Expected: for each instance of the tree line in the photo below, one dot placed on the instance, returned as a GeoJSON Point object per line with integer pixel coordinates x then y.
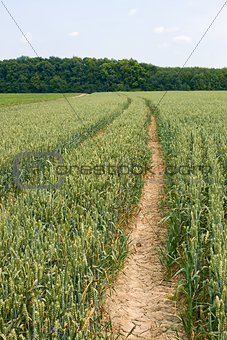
{"type": "Point", "coordinates": [28, 75]}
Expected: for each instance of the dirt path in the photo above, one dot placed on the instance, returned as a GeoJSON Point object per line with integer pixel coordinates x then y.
{"type": "Point", "coordinates": [140, 306]}
{"type": "Point", "coordinates": [80, 95]}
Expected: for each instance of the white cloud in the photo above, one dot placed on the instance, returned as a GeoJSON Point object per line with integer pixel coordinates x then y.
{"type": "Point", "coordinates": [74, 34]}
{"type": "Point", "coordinates": [133, 11]}
{"type": "Point", "coordinates": [28, 36]}
{"type": "Point", "coordinates": [182, 38]}
{"type": "Point", "coordinates": [159, 29]}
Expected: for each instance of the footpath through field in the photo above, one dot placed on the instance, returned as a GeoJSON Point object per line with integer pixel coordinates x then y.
{"type": "Point", "coordinates": [140, 305]}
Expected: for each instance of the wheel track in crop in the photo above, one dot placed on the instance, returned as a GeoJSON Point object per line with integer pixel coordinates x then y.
{"type": "Point", "coordinates": [93, 131]}
{"type": "Point", "coordinates": [75, 141]}
{"type": "Point", "coordinates": [140, 304]}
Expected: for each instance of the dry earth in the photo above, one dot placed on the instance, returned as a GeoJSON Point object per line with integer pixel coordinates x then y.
{"type": "Point", "coordinates": [140, 305]}
{"type": "Point", "coordinates": [80, 95]}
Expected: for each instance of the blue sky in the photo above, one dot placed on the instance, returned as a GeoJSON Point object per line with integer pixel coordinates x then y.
{"type": "Point", "coordinates": [160, 32]}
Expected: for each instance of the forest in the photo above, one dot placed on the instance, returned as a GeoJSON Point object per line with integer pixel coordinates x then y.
{"type": "Point", "coordinates": [40, 75]}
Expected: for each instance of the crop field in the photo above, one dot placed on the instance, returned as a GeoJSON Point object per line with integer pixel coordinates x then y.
{"type": "Point", "coordinates": [61, 247]}
{"type": "Point", "coordinates": [10, 99]}
{"type": "Point", "coordinates": [192, 128]}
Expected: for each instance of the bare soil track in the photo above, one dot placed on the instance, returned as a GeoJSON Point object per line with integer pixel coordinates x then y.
{"type": "Point", "coordinates": [140, 304]}
{"type": "Point", "coordinates": [80, 95]}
